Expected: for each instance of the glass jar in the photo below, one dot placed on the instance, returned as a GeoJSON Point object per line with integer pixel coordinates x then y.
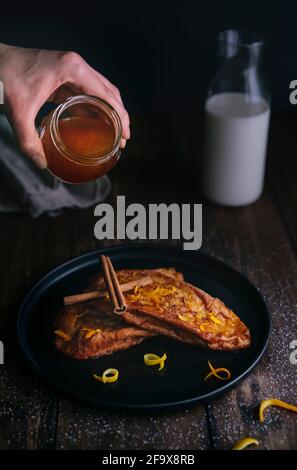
{"type": "Point", "coordinates": [237, 121]}
{"type": "Point", "coordinates": [81, 139]}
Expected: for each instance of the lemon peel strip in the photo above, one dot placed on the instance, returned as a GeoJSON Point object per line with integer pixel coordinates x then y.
{"type": "Point", "coordinates": [108, 376]}
{"type": "Point", "coordinates": [274, 402]}
{"type": "Point", "coordinates": [215, 372]}
{"type": "Point", "coordinates": [151, 359]}
{"type": "Point", "coordinates": [245, 442]}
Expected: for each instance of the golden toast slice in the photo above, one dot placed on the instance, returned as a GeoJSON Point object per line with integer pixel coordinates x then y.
{"type": "Point", "coordinates": [174, 308]}
{"type": "Point", "coordinates": [83, 331]}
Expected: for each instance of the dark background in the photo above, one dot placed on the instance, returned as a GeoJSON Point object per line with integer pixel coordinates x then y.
{"type": "Point", "coordinates": [162, 54]}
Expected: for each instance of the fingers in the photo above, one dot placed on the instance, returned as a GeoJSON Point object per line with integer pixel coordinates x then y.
{"type": "Point", "coordinates": [88, 81]}
{"type": "Point", "coordinates": [107, 96]}
{"type": "Point", "coordinates": [40, 75]}
{"type": "Point", "coordinates": [28, 139]}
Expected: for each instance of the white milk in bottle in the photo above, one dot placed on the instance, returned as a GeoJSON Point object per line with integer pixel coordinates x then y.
{"type": "Point", "coordinates": [235, 148]}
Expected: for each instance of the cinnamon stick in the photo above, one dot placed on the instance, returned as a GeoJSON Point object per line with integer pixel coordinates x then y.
{"type": "Point", "coordinates": [110, 287]}
{"type": "Point", "coordinates": [122, 306]}
{"type": "Point", "coordinates": [97, 294]}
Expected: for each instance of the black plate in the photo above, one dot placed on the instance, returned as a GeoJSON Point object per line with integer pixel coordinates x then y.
{"type": "Point", "coordinates": [140, 387]}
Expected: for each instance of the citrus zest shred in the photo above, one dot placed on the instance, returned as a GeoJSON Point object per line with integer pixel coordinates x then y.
{"type": "Point", "coordinates": [109, 376]}
{"type": "Point", "coordinates": [155, 295]}
{"type": "Point", "coordinates": [215, 372]}
{"type": "Point", "coordinates": [160, 292]}
{"type": "Point", "coordinates": [151, 359]}
{"type": "Point", "coordinates": [62, 335]}
{"type": "Point", "coordinates": [90, 332]}
{"type": "Point", "coordinates": [194, 305]}
{"type": "Point", "coordinates": [136, 294]}
{"type": "Point", "coordinates": [213, 318]}
{"type": "Point", "coordinates": [203, 325]}
{"type": "Point", "coordinates": [185, 317]}
{"type": "Point", "coordinates": [243, 443]}
{"type": "Point", "coordinates": [274, 402]}
{"type": "Point", "coordinates": [135, 297]}
{"type": "Point", "coordinates": [164, 291]}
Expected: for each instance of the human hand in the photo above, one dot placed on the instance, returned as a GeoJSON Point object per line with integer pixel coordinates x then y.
{"type": "Point", "coordinates": [33, 76]}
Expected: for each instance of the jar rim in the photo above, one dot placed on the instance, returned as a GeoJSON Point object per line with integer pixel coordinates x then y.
{"type": "Point", "coordinates": [105, 107]}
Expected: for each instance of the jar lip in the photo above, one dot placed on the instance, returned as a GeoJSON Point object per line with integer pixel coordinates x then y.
{"type": "Point", "coordinates": [241, 38]}
{"type": "Point", "coordinates": [83, 99]}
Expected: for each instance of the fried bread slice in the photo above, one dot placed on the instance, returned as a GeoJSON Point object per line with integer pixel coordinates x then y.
{"type": "Point", "coordinates": [83, 331]}
{"type": "Point", "coordinates": [174, 308]}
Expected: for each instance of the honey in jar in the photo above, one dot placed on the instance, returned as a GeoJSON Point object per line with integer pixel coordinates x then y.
{"type": "Point", "coordinates": [81, 139]}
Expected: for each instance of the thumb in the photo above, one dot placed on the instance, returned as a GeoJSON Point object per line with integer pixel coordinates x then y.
{"type": "Point", "coordinates": [28, 140]}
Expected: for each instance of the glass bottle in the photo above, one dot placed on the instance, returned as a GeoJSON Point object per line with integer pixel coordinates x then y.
{"type": "Point", "coordinates": [237, 113]}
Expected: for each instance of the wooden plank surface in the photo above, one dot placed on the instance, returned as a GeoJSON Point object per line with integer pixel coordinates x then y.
{"type": "Point", "coordinates": [257, 244]}
{"type": "Point", "coordinates": [28, 407]}
{"type": "Point", "coordinates": [259, 241]}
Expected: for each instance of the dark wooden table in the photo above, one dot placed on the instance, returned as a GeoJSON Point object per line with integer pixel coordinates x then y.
{"type": "Point", "coordinates": [161, 165]}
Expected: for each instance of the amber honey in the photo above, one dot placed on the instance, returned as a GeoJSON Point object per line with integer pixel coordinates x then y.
{"type": "Point", "coordinates": [81, 139]}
